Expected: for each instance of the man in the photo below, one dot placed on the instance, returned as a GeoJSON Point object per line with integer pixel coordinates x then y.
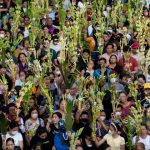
{"type": "Point", "coordinates": [50, 25]}
{"type": "Point", "coordinates": [83, 60]}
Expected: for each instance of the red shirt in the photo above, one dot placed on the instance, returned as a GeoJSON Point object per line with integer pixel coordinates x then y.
{"type": "Point", "coordinates": [128, 67]}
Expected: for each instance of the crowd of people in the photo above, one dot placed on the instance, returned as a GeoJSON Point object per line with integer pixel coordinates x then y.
{"type": "Point", "coordinates": [109, 56]}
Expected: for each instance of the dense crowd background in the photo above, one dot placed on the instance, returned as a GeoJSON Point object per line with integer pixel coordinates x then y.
{"type": "Point", "coordinates": [76, 76]}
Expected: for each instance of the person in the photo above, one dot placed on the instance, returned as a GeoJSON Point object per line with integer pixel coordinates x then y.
{"type": "Point", "coordinates": [62, 107]}
{"type": "Point", "coordinates": [32, 124]}
{"type": "Point", "coordinates": [109, 51]}
{"type": "Point", "coordinates": [102, 124]}
{"type": "Point", "coordinates": [128, 63]}
{"type": "Point", "coordinates": [14, 134]}
{"type": "Point", "coordinates": [10, 144]}
{"type": "Point", "coordinates": [43, 137]}
{"type": "Point", "coordinates": [113, 139]}
{"type": "Point", "coordinates": [83, 60]}
{"type": "Point", "coordinates": [102, 70]}
{"type": "Point", "coordinates": [86, 140]}
{"type": "Point", "coordinates": [125, 104]}
{"type": "Point", "coordinates": [114, 67]}
{"type": "Point", "coordinates": [144, 137]}
{"type": "Point", "coordinates": [139, 146]}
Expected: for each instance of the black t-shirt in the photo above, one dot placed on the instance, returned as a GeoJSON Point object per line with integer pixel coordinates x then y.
{"type": "Point", "coordinates": [47, 143]}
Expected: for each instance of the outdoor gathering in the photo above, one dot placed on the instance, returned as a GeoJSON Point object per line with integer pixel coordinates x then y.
{"type": "Point", "coordinates": [74, 74]}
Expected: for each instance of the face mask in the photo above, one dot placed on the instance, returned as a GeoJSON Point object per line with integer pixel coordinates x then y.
{"type": "Point", "coordinates": [34, 116]}
{"type": "Point", "coordinates": [58, 72]}
{"type": "Point", "coordinates": [14, 132]}
{"type": "Point", "coordinates": [102, 118]}
{"type": "Point", "coordinates": [2, 35]}
{"type": "Point", "coordinates": [108, 8]}
{"type": "Point", "coordinates": [52, 80]}
{"type": "Point", "coordinates": [85, 120]}
{"type": "Point", "coordinates": [118, 113]}
{"type": "Point", "coordinates": [110, 132]}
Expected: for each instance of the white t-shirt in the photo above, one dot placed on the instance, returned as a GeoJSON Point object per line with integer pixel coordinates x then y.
{"type": "Point", "coordinates": [17, 138]}
{"type": "Point", "coordinates": [114, 143]}
{"type": "Point", "coordinates": [145, 141]}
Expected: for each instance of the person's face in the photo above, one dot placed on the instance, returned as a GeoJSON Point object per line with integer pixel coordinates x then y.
{"type": "Point", "coordinates": [91, 64]}
{"type": "Point", "coordinates": [22, 58]}
{"type": "Point", "coordinates": [22, 76]}
{"type": "Point", "coordinates": [46, 44]}
{"type": "Point", "coordinates": [113, 59]}
{"type": "Point", "coordinates": [147, 92]}
{"type": "Point", "coordinates": [145, 13]}
{"type": "Point", "coordinates": [62, 105]}
{"type": "Point", "coordinates": [31, 102]}
{"type": "Point", "coordinates": [26, 44]}
{"type": "Point", "coordinates": [49, 21]}
{"type": "Point", "coordinates": [43, 136]}
{"type": "Point", "coordinates": [34, 112]}
{"type": "Point", "coordinates": [123, 97]}
{"type": "Point", "coordinates": [38, 148]}
{"type": "Point", "coordinates": [84, 116]}
{"type": "Point", "coordinates": [10, 145]}
{"type": "Point", "coordinates": [45, 30]}
{"type": "Point", "coordinates": [27, 21]}
{"type": "Point", "coordinates": [105, 37]}
{"type": "Point", "coordinates": [141, 81]}
{"type": "Point", "coordinates": [47, 83]}
{"type": "Point", "coordinates": [139, 147]}
{"type": "Point", "coordinates": [87, 106]}
{"type": "Point", "coordinates": [102, 63]}
{"type": "Point", "coordinates": [55, 41]}
{"type": "Point", "coordinates": [85, 55]}
{"type": "Point", "coordinates": [79, 148]}
{"type": "Point", "coordinates": [115, 47]}
{"type": "Point", "coordinates": [148, 112]}
{"type": "Point", "coordinates": [111, 128]}
{"type": "Point", "coordinates": [55, 119]}
{"type": "Point", "coordinates": [12, 111]}
{"type": "Point", "coordinates": [109, 49]}
{"type": "Point", "coordinates": [120, 24]}
{"type": "Point", "coordinates": [143, 130]}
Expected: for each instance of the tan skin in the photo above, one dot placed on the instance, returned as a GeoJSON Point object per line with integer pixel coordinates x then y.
{"type": "Point", "coordinates": [124, 101]}
{"type": "Point", "coordinates": [114, 135]}
{"type": "Point", "coordinates": [4, 140]}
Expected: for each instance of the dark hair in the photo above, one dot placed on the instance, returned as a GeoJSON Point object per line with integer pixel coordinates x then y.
{"type": "Point", "coordinates": [143, 124]}
{"type": "Point", "coordinates": [86, 51]}
{"type": "Point", "coordinates": [126, 48]}
{"type": "Point", "coordinates": [10, 139]}
{"type": "Point", "coordinates": [103, 59]}
{"type": "Point", "coordinates": [142, 76]}
{"type": "Point", "coordinates": [111, 57]}
{"type": "Point", "coordinates": [123, 92]}
{"type": "Point", "coordinates": [59, 115]}
{"type": "Point", "coordinates": [44, 26]}
{"type": "Point", "coordinates": [32, 109]}
{"type": "Point", "coordinates": [87, 131]}
{"type": "Point", "coordinates": [10, 105]}
{"type": "Point", "coordinates": [139, 144]}
{"type": "Point", "coordinates": [109, 44]}
{"type": "Point", "coordinates": [20, 55]}
{"type": "Point", "coordinates": [41, 130]}
{"type": "Point", "coordinates": [13, 124]}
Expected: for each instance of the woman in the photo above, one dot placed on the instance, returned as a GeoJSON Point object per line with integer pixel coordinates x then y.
{"type": "Point", "coordinates": [62, 107]}
{"type": "Point", "coordinates": [143, 137]}
{"type": "Point", "coordinates": [20, 79]}
{"type": "Point", "coordinates": [32, 124]}
{"type": "Point", "coordinates": [14, 134]}
{"type": "Point", "coordinates": [44, 138]}
{"type": "Point", "coordinates": [22, 63]}
{"type": "Point", "coordinates": [125, 104]}
{"type": "Point", "coordinates": [86, 139]}
{"type": "Point", "coordinates": [113, 139]}
{"type": "Point", "coordinates": [10, 144]}
{"type": "Point", "coordinates": [113, 64]}
{"type": "Point", "coordinates": [52, 126]}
